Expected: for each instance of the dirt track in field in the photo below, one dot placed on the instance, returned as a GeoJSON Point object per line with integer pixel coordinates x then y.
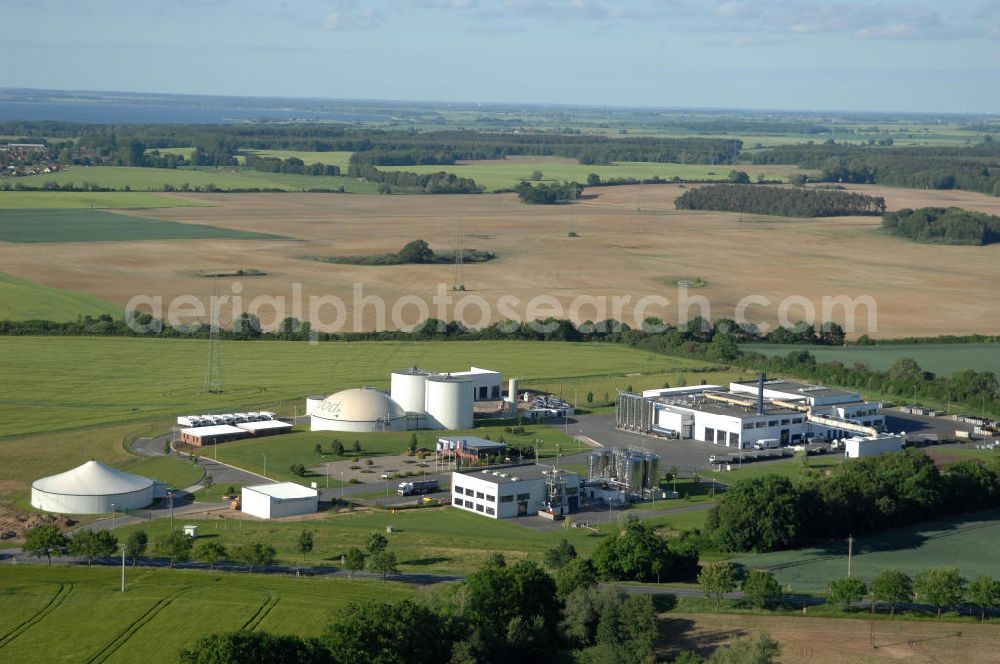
{"type": "Point", "coordinates": [917, 289]}
{"type": "Point", "coordinates": [836, 640]}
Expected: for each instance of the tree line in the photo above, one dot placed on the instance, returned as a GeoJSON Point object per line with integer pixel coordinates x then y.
{"type": "Point", "coordinates": [786, 201]}
{"type": "Point", "coordinates": [416, 252]}
{"type": "Point", "coordinates": [860, 497]}
{"type": "Point", "coordinates": [547, 194]}
{"type": "Point", "coordinates": [406, 182]}
{"type": "Point", "coordinates": [943, 226]}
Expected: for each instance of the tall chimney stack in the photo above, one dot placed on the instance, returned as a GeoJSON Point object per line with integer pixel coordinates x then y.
{"type": "Point", "coordinates": [760, 393]}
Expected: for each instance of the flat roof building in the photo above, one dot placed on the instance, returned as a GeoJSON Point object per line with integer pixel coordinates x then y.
{"type": "Point", "coordinates": [516, 491]}
{"type": "Point", "coordinates": [265, 427]}
{"type": "Point", "coordinates": [273, 501]}
{"type": "Point", "coordinates": [860, 447]}
{"type": "Point", "coordinates": [213, 435]}
{"type": "Point", "coordinates": [469, 446]}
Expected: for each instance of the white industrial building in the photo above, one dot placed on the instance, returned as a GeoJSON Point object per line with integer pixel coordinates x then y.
{"type": "Point", "coordinates": [750, 412]}
{"type": "Point", "coordinates": [859, 447]}
{"type": "Point", "coordinates": [417, 399]}
{"type": "Point", "coordinates": [273, 501]}
{"type": "Point", "coordinates": [93, 488]}
{"type": "Point", "coordinates": [516, 491]}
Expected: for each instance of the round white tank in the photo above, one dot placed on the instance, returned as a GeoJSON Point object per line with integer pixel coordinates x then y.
{"type": "Point", "coordinates": [312, 401]}
{"type": "Point", "coordinates": [408, 388]}
{"type": "Point", "coordinates": [449, 402]}
{"type": "Point", "coordinates": [512, 391]}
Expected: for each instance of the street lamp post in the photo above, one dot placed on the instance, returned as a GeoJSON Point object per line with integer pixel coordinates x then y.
{"type": "Point", "coordinates": [124, 548]}
{"type": "Point", "coordinates": [264, 454]}
{"type": "Point", "coordinates": [112, 517]}
{"type": "Point", "coordinates": [170, 499]}
{"type": "Point", "coordinates": [327, 474]}
{"type": "Point", "coordinates": [341, 484]}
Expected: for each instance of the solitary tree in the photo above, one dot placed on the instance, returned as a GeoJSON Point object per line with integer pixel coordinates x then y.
{"type": "Point", "coordinates": [892, 586]}
{"type": "Point", "coordinates": [846, 590]}
{"type": "Point", "coordinates": [384, 563]}
{"type": "Point", "coordinates": [377, 543]}
{"type": "Point", "coordinates": [717, 579]}
{"type": "Point", "coordinates": [318, 449]}
{"type": "Point", "coordinates": [136, 544]}
{"type": "Point", "coordinates": [357, 445]}
{"type": "Point", "coordinates": [536, 176]}
{"type": "Point", "coordinates": [354, 560]}
{"type": "Point", "coordinates": [338, 447]}
{"type": "Point", "coordinates": [305, 543]}
{"type": "Point", "coordinates": [211, 553]}
{"type": "Point", "coordinates": [984, 592]}
{"type": "Point", "coordinates": [413, 443]}
{"type": "Point", "coordinates": [92, 544]}
{"type": "Point", "coordinates": [45, 540]}
{"type": "Point", "coordinates": [175, 545]}
{"type": "Point", "coordinates": [941, 587]}
{"type": "Point", "coordinates": [559, 555]}
{"type": "Point", "coordinates": [760, 589]}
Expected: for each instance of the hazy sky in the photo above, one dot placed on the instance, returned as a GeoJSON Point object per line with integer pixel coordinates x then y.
{"type": "Point", "coordinates": [792, 54]}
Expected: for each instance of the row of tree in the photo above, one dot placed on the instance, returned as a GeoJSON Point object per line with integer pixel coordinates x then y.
{"type": "Point", "coordinates": [406, 182]}
{"type": "Point", "coordinates": [864, 496]}
{"type": "Point", "coordinates": [289, 165]}
{"type": "Point", "coordinates": [786, 201]}
{"type": "Point", "coordinates": [943, 226]}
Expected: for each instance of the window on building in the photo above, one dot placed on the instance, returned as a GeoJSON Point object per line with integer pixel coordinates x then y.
{"type": "Point", "coordinates": [796, 420]}
{"type": "Point", "coordinates": [523, 496]}
{"type": "Point", "coordinates": [784, 421]}
{"type": "Point", "coordinates": [491, 499]}
{"type": "Point", "coordinates": [470, 492]}
{"type": "Point", "coordinates": [506, 499]}
{"type": "Point", "coordinates": [761, 425]}
{"type": "Point", "coordinates": [490, 511]}
{"type": "Point", "coordinates": [480, 495]}
{"type": "Point", "coordinates": [748, 425]}
{"type": "Point", "coordinates": [709, 435]}
{"type": "Point", "coordinates": [460, 502]}
{"type": "Point", "coordinates": [734, 440]}
{"type": "Point", "coordinates": [459, 490]}
{"type": "Point", "coordinates": [772, 423]}
{"type": "Point", "coordinates": [479, 508]}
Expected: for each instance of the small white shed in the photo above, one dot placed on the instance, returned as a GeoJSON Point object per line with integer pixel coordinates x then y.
{"type": "Point", "coordinates": [860, 447]}
{"type": "Point", "coordinates": [273, 501]}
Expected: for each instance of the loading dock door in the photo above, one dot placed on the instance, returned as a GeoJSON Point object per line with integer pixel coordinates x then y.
{"type": "Point", "coordinates": [784, 436]}
{"type": "Point", "coordinates": [522, 508]}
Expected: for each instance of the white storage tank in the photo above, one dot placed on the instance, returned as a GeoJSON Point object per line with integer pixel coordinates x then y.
{"type": "Point", "coordinates": [512, 391]}
{"type": "Point", "coordinates": [92, 488]}
{"type": "Point", "coordinates": [363, 409]}
{"type": "Point", "coordinates": [449, 402]}
{"type": "Point", "coordinates": [312, 401]}
{"type": "Point", "coordinates": [408, 388]}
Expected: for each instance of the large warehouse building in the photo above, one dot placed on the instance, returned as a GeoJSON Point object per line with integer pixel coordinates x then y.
{"type": "Point", "coordinates": [516, 491]}
{"type": "Point", "coordinates": [273, 501]}
{"type": "Point", "coordinates": [93, 488]}
{"type": "Point", "coordinates": [418, 399]}
{"type": "Point", "coordinates": [751, 412]}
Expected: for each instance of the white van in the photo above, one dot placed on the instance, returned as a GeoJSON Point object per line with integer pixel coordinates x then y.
{"type": "Point", "coordinates": [767, 444]}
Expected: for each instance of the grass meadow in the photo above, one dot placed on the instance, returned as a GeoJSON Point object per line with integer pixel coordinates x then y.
{"type": "Point", "coordinates": [942, 359]}
{"type": "Point", "coordinates": [155, 179]}
{"type": "Point", "coordinates": [86, 225]}
{"type": "Point", "coordinates": [21, 299]}
{"type": "Point", "coordinates": [109, 200]}
{"type": "Point", "coordinates": [970, 542]}
{"type": "Point", "coordinates": [54, 383]}
{"type": "Point", "coordinates": [78, 614]}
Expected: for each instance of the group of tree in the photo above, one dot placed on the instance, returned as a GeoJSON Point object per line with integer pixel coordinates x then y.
{"type": "Point", "coordinates": [864, 496]}
{"type": "Point", "coordinates": [943, 226]}
{"type": "Point", "coordinates": [415, 252]}
{"type": "Point", "coordinates": [759, 588]}
{"type": "Point", "coordinates": [289, 165]}
{"type": "Point", "coordinates": [548, 194]}
{"type": "Point", "coordinates": [785, 201]}
{"type": "Point", "coordinates": [942, 588]}
{"type": "Point", "coordinates": [973, 168]}
{"type": "Point", "coordinates": [406, 182]}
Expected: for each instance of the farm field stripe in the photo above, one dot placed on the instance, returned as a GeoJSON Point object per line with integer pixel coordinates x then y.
{"type": "Point", "coordinates": [58, 598]}
{"type": "Point", "coordinates": [255, 620]}
{"type": "Point", "coordinates": [122, 638]}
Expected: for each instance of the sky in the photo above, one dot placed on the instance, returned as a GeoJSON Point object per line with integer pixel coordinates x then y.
{"type": "Point", "coordinates": [892, 55]}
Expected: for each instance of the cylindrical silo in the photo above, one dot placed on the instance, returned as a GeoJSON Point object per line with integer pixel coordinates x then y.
{"type": "Point", "coordinates": [449, 402]}
{"type": "Point", "coordinates": [653, 471]}
{"type": "Point", "coordinates": [635, 473]}
{"type": "Point", "coordinates": [408, 388]}
{"type": "Point", "coordinates": [512, 391]}
{"type": "Point", "coordinates": [312, 401]}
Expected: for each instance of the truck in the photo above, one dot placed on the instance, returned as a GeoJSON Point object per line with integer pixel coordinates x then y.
{"type": "Point", "coordinates": [767, 444]}
{"type": "Point", "coordinates": [418, 487]}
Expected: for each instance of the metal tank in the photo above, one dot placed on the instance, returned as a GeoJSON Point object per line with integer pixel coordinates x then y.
{"type": "Point", "coordinates": [635, 473]}
{"type": "Point", "coordinates": [449, 402]}
{"type": "Point", "coordinates": [408, 388]}
{"type": "Point", "coordinates": [653, 471]}
{"type": "Point", "coordinates": [512, 388]}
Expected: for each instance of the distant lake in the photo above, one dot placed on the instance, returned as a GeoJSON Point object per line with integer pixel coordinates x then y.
{"type": "Point", "coordinates": [113, 112]}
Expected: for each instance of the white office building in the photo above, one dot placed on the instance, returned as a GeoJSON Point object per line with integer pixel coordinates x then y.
{"type": "Point", "coordinates": [516, 491]}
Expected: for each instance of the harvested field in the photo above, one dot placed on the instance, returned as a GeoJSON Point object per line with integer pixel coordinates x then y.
{"type": "Point", "coordinates": [836, 640]}
{"type": "Point", "coordinates": [917, 289]}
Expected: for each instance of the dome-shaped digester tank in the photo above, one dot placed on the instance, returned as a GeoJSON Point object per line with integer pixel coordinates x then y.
{"type": "Point", "coordinates": [449, 402]}
{"type": "Point", "coordinates": [363, 409]}
{"type": "Point", "coordinates": [408, 388]}
{"type": "Point", "coordinates": [92, 488]}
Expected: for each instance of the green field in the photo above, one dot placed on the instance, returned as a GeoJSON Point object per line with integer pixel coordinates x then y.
{"type": "Point", "coordinates": [53, 383]}
{"type": "Point", "coordinates": [76, 614]}
{"type": "Point", "coordinates": [21, 299]}
{"type": "Point", "coordinates": [443, 540]}
{"type": "Point", "coordinates": [121, 200]}
{"type": "Point", "coordinates": [502, 174]}
{"type": "Point", "coordinates": [342, 159]}
{"type": "Point", "coordinates": [154, 179]}
{"type": "Point", "coordinates": [942, 359]}
{"type": "Point", "coordinates": [31, 226]}
{"type": "Point", "coordinates": [970, 542]}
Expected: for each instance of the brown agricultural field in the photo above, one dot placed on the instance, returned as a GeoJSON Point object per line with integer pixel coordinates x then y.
{"type": "Point", "coordinates": [837, 640]}
{"type": "Point", "coordinates": [620, 252]}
